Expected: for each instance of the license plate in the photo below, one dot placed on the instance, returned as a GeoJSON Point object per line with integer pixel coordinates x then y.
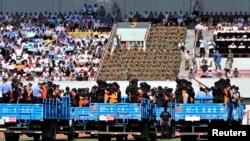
{"type": "Point", "coordinates": [106, 118]}
{"type": "Point", "coordinates": [192, 118]}
{"type": "Point", "coordinates": [1, 121]}
{"type": "Point", "coordinates": [83, 117]}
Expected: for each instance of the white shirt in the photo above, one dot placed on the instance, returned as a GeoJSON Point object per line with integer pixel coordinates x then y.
{"type": "Point", "coordinates": [202, 43]}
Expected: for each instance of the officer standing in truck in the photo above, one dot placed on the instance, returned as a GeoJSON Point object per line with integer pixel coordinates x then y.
{"type": "Point", "coordinates": [165, 123]}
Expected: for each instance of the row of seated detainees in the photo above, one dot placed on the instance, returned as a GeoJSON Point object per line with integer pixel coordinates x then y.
{"type": "Point", "coordinates": [110, 93]}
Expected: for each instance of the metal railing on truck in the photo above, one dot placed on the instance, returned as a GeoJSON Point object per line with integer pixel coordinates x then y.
{"type": "Point", "coordinates": [14, 116]}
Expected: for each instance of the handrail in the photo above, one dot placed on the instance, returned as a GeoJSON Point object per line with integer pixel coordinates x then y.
{"type": "Point", "coordinates": [248, 117]}
{"type": "Point", "coordinates": [106, 49]}
{"type": "Point", "coordinates": [146, 36]}
{"type": "Point", "coordinates": [200, 83]}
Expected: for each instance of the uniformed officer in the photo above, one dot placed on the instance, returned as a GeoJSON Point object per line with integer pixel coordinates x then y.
{"type": "Point", "coordinates": [6, 90]}
{"type": "Point", "coordinates": [165, 122]}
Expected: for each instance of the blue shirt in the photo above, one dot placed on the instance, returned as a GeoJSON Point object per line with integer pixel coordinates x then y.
{"type": "Point", "coordinates": [6, 88]}
{"type": "Point", "coordinates": [37, 91]}
{"type": "Point", "coordinates": [217, 57]}
{"type": "Point", "coordinates": [207, 97]}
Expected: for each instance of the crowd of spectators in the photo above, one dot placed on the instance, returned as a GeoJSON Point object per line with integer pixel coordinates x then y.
{"type": "Point", "coordinates": [38, 46]}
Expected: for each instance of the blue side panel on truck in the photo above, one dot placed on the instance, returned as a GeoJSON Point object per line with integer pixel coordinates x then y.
{"type": "Point", "coordinates": [21, 112]}
{"type": "Point", "coordinates": [197, 112]}
{"type": "Point", "coordinates": [57, 109]}
{"type": "Point", "coordinates": [80, 114]}
{"type": "Point", "coordinates": [108, 112]}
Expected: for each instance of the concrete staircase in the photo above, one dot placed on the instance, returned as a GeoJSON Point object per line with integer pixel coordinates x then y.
{"type": "Point", "coordinates": [189, 44]}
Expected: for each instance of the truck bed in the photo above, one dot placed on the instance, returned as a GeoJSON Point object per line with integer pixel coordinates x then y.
{"type": "Point", "coordinates": [15, 112]}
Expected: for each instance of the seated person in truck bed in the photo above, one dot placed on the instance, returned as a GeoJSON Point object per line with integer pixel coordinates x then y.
{"type": "Point", "coordinates": [142, 91]}
{"type": "Point", "coordinates": [83, 97]}
{"type": "Point", "coordinates": [132, 90]}
{"type": "Point", "coordinates": [204, 93]}
{"type": "Point", "coordinates": [236, 99]}
{"type": "Point", "coordinates": [111, 94]}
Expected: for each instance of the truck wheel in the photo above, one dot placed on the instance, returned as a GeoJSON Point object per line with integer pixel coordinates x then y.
{"type": "Point", "coordinates": [11, 137]}
{"type": "Point", "coordinates": [173, 129]}
{"type": "Point", "coordinates": [153, 137]}
{"type": "Point", "coordinates": [119, 138]}
{"type": "Point", "coordinates": [36, 137]}
{"type": "Point", "coordinates": [76, 135]}
{"type": "Point", "coordinates": [184, 138]}
{"type": "Point", "coordinates": [145, 131]}
{"type": "Point", "coordinates": [92, 136]}
{"type": "Point", "coordinates": [71, 134]}
{"type": "Point", "coordinates": [107, 137]}
{"type": "Point", "coordinates": [49, 131]}
{"type": "Point", "coordinates": [189, 138]}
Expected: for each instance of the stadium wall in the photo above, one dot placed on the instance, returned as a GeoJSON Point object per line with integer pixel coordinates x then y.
{"type": "Point", "coordinates": [126, 6]}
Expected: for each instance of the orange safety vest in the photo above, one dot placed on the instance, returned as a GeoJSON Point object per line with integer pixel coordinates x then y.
{"type": "Point", "coordinates": [183, 93]}
{"type": "Point", "coordinates": [83, 101]}
{"type": "Point", "coordinates": [112, 99]}
{"type": "Point", "coordinates": [227, 94]}
{"type": "Point", "coordinates": [44, 92]}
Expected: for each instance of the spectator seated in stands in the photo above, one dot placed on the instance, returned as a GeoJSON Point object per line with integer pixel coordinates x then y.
{"type": "Point", "coordinates": [191, 74]}
{"type": "Point", "coordinates": [235, 73]}
{"type": "Point", "coordinates": [35, 39]}
{"type": "Point", "coordinates": [204, 64]}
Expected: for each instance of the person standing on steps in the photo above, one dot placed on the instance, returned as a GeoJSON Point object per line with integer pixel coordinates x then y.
{"type": "Point", "coordinates": [187, 59]}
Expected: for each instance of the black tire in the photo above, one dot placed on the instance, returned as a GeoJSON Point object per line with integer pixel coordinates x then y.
{"type": "Point", "coordinates": [153, 137]}
{"type": "Point", "coordinates": [71, 134]}
{"type": "Point", "coordinates": [119, 138]}
{"type": "Point", "coordinates": [11, 137]}
{"type": "Point", "coordinates": [101, 128]}
{"type": "Point", "coordinates": [184, 138]}
{"type": "Point", "coordinates": [173, 129]}
{"type": "Point", "coordinates": [76, 135]}
{"type": "Point", "coordinates": [92, 136]}
{"type": "Point", "coordinates": [49, 131]}
{"type": "Point", "coordinates": [36, 137]}
{"type": "Point", "coordinates": [145, 131]}
{"type": "Point", "coordinates": [189, 138]}
{"type": "Point", "coordinates": [107, 137]}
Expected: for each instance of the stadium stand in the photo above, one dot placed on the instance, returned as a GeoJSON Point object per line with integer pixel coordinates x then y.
{"type": "Point", "coordinates": [160, 61]}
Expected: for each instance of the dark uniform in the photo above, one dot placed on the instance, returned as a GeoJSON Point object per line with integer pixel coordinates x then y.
{"type": "Point", "coordinates": [165, 123]}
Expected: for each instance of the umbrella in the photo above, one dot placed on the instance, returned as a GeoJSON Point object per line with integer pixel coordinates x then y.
{"type": "Point", "coordinates": [30, 48]}
{"type": "Point", "coordinates": [58, 58]}
{"type": "Point", "coordinates": [11, 67]}
{"type": "Point", "coordinates": [68, 49]}
{"type": "Point", "coordinates": [77, 40]}
{"type": "Point", "coordinates": [82, 71]}
{"type": "Point", "coordinates": [10, 33]}
{"type": "Point", "coordinates": [60, 28]}
{"type": "Point", "coordinates": [48, 41]}
{"type": "Point", "coordinates": [70, 36]}
{"type": "Point", "coordinates": [20, 66]}
{"type": "Point", "coordinates": [30, 34]}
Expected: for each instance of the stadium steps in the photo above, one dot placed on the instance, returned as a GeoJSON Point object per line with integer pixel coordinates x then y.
{"type": "Point", "coordinates": [189, 44]}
